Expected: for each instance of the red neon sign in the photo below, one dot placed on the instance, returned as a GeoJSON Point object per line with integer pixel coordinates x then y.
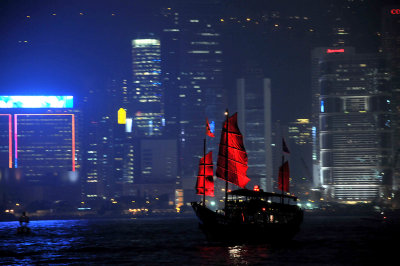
{"type": "Point", "coordinates": [330, 51]}
{"type": "Point", "coordinates": [9, 142]}
{"type": "Point", "coordinates": [395, 11]}
{"type": "Point", "coordinates": [15, 142]}
{"type": "Point", "coordinates": [73, 143]}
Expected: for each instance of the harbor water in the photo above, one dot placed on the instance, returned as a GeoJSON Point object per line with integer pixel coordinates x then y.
{"type": "Point", "coordinates": [344, 240]}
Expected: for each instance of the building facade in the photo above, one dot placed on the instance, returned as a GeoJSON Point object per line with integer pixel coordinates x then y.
{"type": "Point", "coordinates": [254, 118]}
{"type": "Point", "coordinates": [354, 125]}
{"type": "Point", "coordinates": [42, 147]}
{"type": "Point", "coordinates": [146, 97]}
{"type": "Point", "coordinates": [391, 50]}
{"type": "Point", "coordinates": [193, 78]}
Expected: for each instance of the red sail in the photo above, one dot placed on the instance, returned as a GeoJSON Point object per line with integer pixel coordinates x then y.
{"type": "Point", "coordinates": [232, 156]}
{"type": "Point", "coordinates": [208, 175]}
{"type": "Point", "coordinates": [283, 179]}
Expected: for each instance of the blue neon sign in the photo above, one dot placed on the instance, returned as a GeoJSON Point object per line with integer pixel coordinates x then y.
{"type": "Point", "coordinates": [36, 101]}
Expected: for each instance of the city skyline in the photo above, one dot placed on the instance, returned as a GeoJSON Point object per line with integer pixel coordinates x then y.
{"type": "Point", "coordinates": [130, 127]}
{"type": "Point", "coordinates": [167, 66]}
{"type": "Point", "coordinates": [94, 46]}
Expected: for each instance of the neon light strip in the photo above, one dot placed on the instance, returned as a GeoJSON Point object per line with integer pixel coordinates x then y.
{"type": "Point", "coordinates": [73, 136]}
{"type": "Point", "coordinates": [9, 141]}
{"type": "Point", "coordinates": [15, 142]}
{"type": "Point", "coordinates": [73, 143]}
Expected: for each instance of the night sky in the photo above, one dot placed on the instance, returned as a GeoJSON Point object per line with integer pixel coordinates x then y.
{"type": "Point", "coordinates": [68, 51]}
{"type": "Point", "coordinates": [68, 47]}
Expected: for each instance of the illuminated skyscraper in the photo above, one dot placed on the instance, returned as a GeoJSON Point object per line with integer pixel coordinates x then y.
{"type": "Point", "coordinates": [42, 142]}
{"type": "Point", "coordinates": [98, 159]}
{"type": "Point", "coordinates": [301, 142]}
{"type": "Point", "coordinates": [354, 125]}
{"type": "Point", "coordinates": [193, 82]}
{"type": "Point", "coordinates": [391, 51]}
{"type": "Point", "coordinates": [300, 132]}
{"type": "Point", "coordinates": [200, 86]}
{"type": "Point", "coordinates": [146, 97]}
{"type": "Point", "coordinates": [317, 57]}
{"type": "Point", "coordinates": [108, 163]}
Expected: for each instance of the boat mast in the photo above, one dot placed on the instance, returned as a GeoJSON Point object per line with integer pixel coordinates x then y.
{"type": "Point", "coordinates": [204, 178]}
{"type": "Point", "coordinates": [226, 158]}
{"type": "Point", "coordinates": [282, 177]}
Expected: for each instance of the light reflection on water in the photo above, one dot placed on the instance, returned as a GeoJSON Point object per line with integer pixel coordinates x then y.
{"type": "Point", "coordinates": [236, 254]}
{"type": "Point", "coordinates": [179, 241]}
{"type": "Point", "coordinates": [47, 238]}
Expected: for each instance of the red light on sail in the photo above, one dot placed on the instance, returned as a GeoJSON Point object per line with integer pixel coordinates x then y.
{"type": "Point", "coordinates": [232, 156]}
{"type": "Point", "coordinates": [205, 172]}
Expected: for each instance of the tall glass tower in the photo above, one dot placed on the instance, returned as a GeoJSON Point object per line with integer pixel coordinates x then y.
{"type": "Point", "coordinates": [391, 50]}
{"type": "Point", "coordinates": [354, 125]}
{"type": "Point", "coordinates": [146, 95]}
{"type": "Point", "coordinates": [254, 111]}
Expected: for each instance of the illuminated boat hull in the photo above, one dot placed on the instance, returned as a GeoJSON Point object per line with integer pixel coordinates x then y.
{"type": "Point", "coordinates": [275, 224]}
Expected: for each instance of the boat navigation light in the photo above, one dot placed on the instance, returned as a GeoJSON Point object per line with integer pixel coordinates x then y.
{"type": "Point", "coordinates": [256, 188]}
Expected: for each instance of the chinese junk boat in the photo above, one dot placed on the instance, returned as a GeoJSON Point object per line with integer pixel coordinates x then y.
{"type": "Point", "coordinates": [249, 215]}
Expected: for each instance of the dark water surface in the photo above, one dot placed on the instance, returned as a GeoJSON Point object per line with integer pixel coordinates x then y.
{"type": "Point", "coordinates": [322, 241]}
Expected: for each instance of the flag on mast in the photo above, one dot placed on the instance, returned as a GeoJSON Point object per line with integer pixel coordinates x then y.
{"type": "Point", "coordinates": [208, 129]}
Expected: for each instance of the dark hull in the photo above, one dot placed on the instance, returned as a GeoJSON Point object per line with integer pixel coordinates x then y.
{"type": "Point", "coordinates": [218, 227]}
{"type": "Point", "coordinates": [23, 230]}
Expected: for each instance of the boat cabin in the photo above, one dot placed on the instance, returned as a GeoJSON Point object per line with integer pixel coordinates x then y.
{"type": "Point", "coordinates": [246, 195]}
{"type": "Point", "coordinates": [249, 206]}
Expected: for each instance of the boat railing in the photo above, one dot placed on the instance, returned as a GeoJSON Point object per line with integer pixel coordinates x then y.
{"type": "Point", "coordinates": [270, 199]}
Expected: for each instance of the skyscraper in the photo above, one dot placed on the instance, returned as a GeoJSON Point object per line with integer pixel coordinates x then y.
{"type": "Point", "coordinates": [254, 111]}
{"type": "Point", "coordinates": [301, 142]}
{"type": "Point", "coordinates": [354, 125]}
{"type": "Point", "coordinates": [41, 144]}
{"type": "Point", "coordinates": [109, 157]}
{"type": "Point", "coordinates": [146, 97]}
{"type": "Point", "coordinates": [300, 131]}
{"type": "Point", "coordinates": [391, 51]}
{"type": "Point", "coordinates": [193, 80]}
{"type": "Point", "coordinates": [317, 57]}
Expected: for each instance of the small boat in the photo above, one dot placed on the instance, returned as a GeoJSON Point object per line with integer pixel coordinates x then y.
{"type": "Point", "coordinates": [248, 215]}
